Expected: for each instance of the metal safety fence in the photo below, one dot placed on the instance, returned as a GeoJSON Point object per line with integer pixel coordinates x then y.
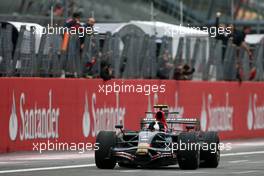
{"type": "Point", "coordinates": [129, 56]}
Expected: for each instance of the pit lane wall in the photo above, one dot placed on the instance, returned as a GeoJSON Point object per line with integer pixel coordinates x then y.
{"type": "Point", "coordinates": [74, 110]}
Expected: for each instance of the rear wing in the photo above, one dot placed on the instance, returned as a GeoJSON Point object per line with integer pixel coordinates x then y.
{"type": "Point", "coordinates": [188, 121]}
{"type": "Point", "coordinates": [160, 106]}
{"type": "Point", "coordinates": [166, 112]}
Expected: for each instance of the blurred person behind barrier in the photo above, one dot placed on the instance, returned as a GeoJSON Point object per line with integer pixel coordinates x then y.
{"type": "Point", "coordinates": [106, 71]}
{"type": "Point", "coordinates": [90, 23]}
{"type": "Point", "coordinates": [89, 27]}
{"type": "Point", "coordinates": [89, 70]}
{"type": "Point", "coordinates": [73, 23]}
{"type": "Point", "coordinates": [183, 72]}
{"type": "Point", "coordinates": [238, 39]}
{"type": "Point", "coordinates": [58, 10]}
{"type": "Point", "coordinates": [164, 66]}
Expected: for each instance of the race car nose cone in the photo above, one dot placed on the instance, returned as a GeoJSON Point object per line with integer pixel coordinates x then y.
{"type": "Point", "coordinates": [142, 149]}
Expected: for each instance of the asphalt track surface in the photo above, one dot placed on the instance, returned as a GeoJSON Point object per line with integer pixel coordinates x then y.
{"type": "Point", "coordinates": [245, 158]}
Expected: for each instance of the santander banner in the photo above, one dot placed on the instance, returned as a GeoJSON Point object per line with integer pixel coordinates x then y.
{"type": "Point", "coordinates": [74, 110]}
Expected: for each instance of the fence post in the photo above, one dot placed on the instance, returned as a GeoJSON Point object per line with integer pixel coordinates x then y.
{"type": "Point", "coordinates": [6, 48]}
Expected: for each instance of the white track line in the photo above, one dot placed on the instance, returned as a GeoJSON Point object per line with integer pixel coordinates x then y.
{"type": "Point", "coordinates": [245, 172]}
{"type": "Point", "coordinates": [242, 153]}
{"type": "Point", "coordinates": [256, 162]}
{"type": "Point", "coordinates": [46, 168]}
{"type": "Point", "coordinates": [30, 157]}
{"type": "Point", "coordinates": [246, 144]}
{"type": "Point", "coordinates": [237, 161]}
{"type": "Point", "coordinates": [131, 171]}
{"type": "Point", "coordinates": [92, 165]}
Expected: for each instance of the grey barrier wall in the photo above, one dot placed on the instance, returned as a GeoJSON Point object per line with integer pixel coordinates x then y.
{"type": "Point", "coordinates": [131, 56]}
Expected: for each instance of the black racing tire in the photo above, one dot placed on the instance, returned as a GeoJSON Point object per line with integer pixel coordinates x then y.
{"type": "Point", "coordinates": [188, 159]}
{"type": "Point", "coordinates": [103, 157]}
{"type": "Point", "coordinates": [210, 156]}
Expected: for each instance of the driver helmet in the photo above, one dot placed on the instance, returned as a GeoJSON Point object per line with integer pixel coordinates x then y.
{"type": "Point", "coordinates": [160, 116]}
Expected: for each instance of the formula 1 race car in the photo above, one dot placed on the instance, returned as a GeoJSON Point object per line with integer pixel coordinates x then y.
{"type": "Point", "coordinates": [162, 141]}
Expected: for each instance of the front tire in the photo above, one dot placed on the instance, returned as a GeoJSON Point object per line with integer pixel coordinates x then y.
{"type": "Point", "coordinates": [189, 158]}
{"type": "Point", "coordinates": [103, 158]}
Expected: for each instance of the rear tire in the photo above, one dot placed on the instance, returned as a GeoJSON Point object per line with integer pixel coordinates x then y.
{"type": "Point", "coordinates": [189, 158]}
{"type": "Point", "coordinates": [211, 157]}
{"type": "Point", "coordinates": [103, 157]}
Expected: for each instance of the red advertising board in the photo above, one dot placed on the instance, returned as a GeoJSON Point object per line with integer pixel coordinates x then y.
{"type": "Point", "coordinates": [74, 110]}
